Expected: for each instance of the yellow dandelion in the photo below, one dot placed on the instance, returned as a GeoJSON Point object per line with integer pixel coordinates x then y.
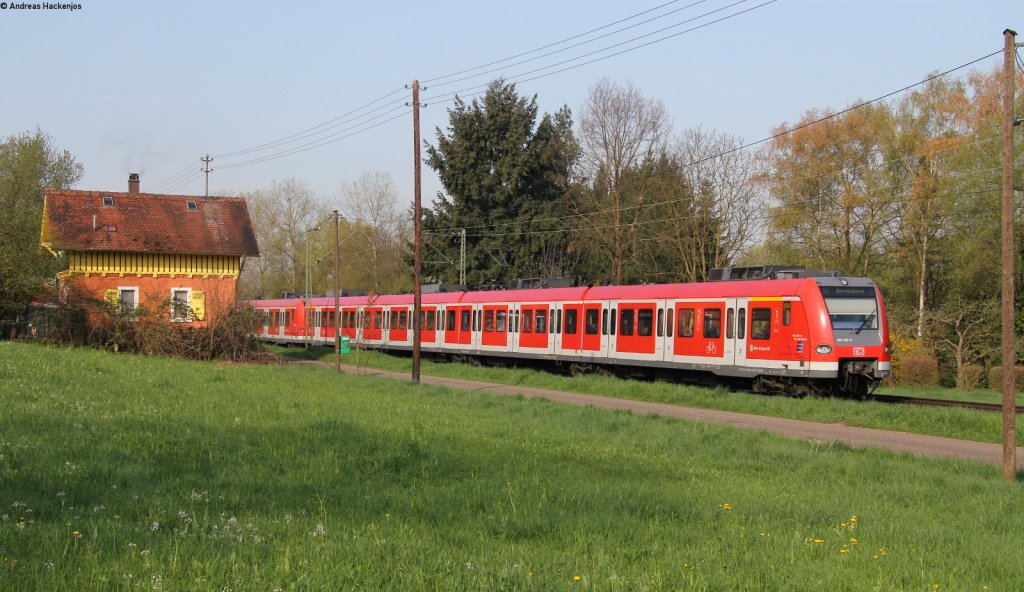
{"type": "Point", "coordinates": [819, 541]}
{"type": "Point", "coordinates": [575, 578]}
{"type": "Point", "coordinates": [725, 506]}
{"type": "Point", "coordinates": [853, 518]}
{"type": "Point", "coordinates": [853, 541]}
{"type": "Point", "coordinates": [843, 524]}
{"type": "Point", "coordinates": [843, 551]}
{"type": "Point", "coordinates": [75, 533]}
{"type": "Point", "coordinates": [529, 574]}
{"type": "Point", "coordinates": [874, 556]}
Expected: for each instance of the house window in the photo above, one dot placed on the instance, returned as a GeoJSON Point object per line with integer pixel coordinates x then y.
{"type": "Point", "coordinates": [180, 310]}
{"type": "Point", "coordinates": [129, 299]}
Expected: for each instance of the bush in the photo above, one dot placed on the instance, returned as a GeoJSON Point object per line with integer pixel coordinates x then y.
{"type": "Point", "coordinates": [919, 371]}
{"type": "Point", "coordinates": [147, 330]}
{"type": "Point", "coordinates": [970, 377]}
{"type": "Point", "coordinates": [995, 378]}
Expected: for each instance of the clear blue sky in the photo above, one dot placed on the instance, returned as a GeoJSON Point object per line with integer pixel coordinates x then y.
{"type": "Point", "coordinates": [150, 87]}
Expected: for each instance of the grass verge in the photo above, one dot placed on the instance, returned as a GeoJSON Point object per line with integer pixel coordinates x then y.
{"type": "Point", "coordinates": [966, 424]}
{"type": "Point", "coordinates": [126, 473]}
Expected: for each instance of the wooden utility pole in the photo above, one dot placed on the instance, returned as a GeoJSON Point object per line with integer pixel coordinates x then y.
{"type": "Point", "coordinates": [1009, 353]}
{"type": "Point", "coordinates": [417, 261]}
{"type": "Point", "coordinates": [206, 169]}
{"type": "Point", "coordinates": [337, 295]}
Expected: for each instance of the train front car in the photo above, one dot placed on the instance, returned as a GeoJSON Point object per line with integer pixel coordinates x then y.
{"type": "Point", "coordinates": [849, 334]}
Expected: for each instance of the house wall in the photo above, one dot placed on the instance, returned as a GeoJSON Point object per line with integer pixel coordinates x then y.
{"type": "Point", "coordinates": [154, 293]}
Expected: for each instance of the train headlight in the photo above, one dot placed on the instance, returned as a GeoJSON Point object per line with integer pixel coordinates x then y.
{"type": "Point", "coordinates": [824, 349]}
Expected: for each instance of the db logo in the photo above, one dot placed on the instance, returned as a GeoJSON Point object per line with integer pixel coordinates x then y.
{"type": "Point", "coordinates": [858, 351]}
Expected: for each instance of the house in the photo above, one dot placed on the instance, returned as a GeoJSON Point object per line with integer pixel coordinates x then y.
{"type": "Point", "coordinates": [141, 249]}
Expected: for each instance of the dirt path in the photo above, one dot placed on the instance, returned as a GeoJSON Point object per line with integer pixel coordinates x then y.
{"type": "Point", "coordinates": [916, 444]}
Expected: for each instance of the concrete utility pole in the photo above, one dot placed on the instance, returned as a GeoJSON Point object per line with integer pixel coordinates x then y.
{"type": "Point", "coordinates": [206, 169]}
{"type": "Point", "coordinates": [417, 265]}
{"type": "Point", "coordinates": [1009, 350]}
{"type": "Point", "coordinates": [337, 295]}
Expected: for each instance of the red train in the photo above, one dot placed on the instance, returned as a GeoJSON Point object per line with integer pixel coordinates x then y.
{"type": "Point", "coordinates": [817, 334]}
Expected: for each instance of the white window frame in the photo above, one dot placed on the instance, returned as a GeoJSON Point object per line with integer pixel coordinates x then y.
{"type": "Point", "coordinates": [133, 289]}
{"type": "Point", "coordinates": [188, 304]}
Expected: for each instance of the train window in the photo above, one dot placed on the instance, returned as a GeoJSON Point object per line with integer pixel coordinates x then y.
{"type": "Point", "coordinates": [645, 322]}
{"type": "Point", "coordinates": [626, 321]}
{"type": "Point", "coordinates": [668, 324]}
{"type": "Point", "coordinates": [661, 322]}
{"type": "Point", "coordinates": [288, 318]}
{"type": "Point", "coordinates": [515, 325]}
{"type": "Point", "coordinates": [464, 321]}
{"type": "Point", "coordinates": [730, 320]}
{"type": "Point", "coordinates": [541, 317]}
{"type": "Point", "coordinates": [591, 321]}
{"type": "Point", "coordinates": [686, 316]}
{"type": "Point", "coordinates": [403, 319]}
{"type": "Point", "coordinates": [451, 320]}
{"type": "Point", "coordinates": [786, 313]}
{"type": "Point", "coordinates": [712, 323]}
{"type": "Point", "coordinates": [527, 321]}
{"type": "Point", "coordinates": [500, 321]}
{"type": "Point", "coordinates": [761, 323]}
{"type": "Point", "coordinates": [611, 324]}
{"type": "Point", "coordinates": [430, 320]}
{"type": "Point", "coordinates": [377, 320]}
{"type": "Point", "coordinates": [394, 321]}
{"type": "Point", "coordinates": [604, 321]}
{"type": "Point", "coordinates": [741, 323]}
{"type": "Point", "coordinates": [558, 329]}
{"type": "Point", "coordinates": [489, 321]}
{"type": "Point", "coordinates": [570, 321]}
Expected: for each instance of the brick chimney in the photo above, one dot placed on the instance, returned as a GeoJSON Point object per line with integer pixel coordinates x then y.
{"type": "Point", "coordinates": [133, 183]}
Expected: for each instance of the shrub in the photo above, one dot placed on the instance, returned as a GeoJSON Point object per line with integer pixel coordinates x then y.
{"type": "Point", "coordinates": [995, 378]}
{"type": "Point", "coordinates": [970, 377]}
{"type": "Point", "coordinates": [919, 371]}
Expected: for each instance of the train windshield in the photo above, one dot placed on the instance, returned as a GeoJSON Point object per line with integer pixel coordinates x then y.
{"type": "Point", "coordinates": [851, 307]}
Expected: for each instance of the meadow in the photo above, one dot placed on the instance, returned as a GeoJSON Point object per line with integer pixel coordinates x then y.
{"type": "Point", "coordinates": [128, 473]}
{"type": "Point", "coordinates": [950, 422]}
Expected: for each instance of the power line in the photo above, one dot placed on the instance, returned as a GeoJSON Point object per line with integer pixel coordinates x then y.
{"type": "Point", "coordinates": [778, 135]}
{"type": "Point", "coordinates": [598, 38]}
{"type": "Point", "coordinates": [307, 132]}
{"type": "Point", "coordinates": [340, 135]}
{"type": "Point", "coordinates": [556, 43]}
{"type": "Point", "coordinates": [516, 78]}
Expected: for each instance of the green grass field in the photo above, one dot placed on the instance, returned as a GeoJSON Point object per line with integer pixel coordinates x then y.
{"type": "Point", "coordinates": [127, 473]}
{"type": "Point", "coordinates": [983, 426]}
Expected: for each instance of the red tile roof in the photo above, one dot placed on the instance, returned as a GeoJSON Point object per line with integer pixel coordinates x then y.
{"type": "Point", "coordinates": [147, 223]}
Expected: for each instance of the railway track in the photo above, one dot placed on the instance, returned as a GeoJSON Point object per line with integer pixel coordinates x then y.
{"type": "Point", "coordinates": [924, 402]}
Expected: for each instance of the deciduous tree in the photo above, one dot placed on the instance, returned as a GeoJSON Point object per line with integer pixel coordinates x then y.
{"type": "Point", "coordinates": [29, 162]}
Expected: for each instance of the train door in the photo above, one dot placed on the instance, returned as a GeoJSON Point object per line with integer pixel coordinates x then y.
{"type": "Point", "coordinates": [533, 327]}
{"type": "Point", "coordinates": [590, 338]}
{"type": "Point", "coordinates": [495, 326]}
{"type": "Point", "coordinates": [458, 325]}
{"type": "Point", "coordinates": [636, 328]}
{"type": "Point", "coordinates": [736, 332]}
{"type": "Point", "coordinates": [399, 324]}
{"type": "Point", "coordinates": [428, 324]}
{"type": "Point", "coordinates": [572, 327]}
